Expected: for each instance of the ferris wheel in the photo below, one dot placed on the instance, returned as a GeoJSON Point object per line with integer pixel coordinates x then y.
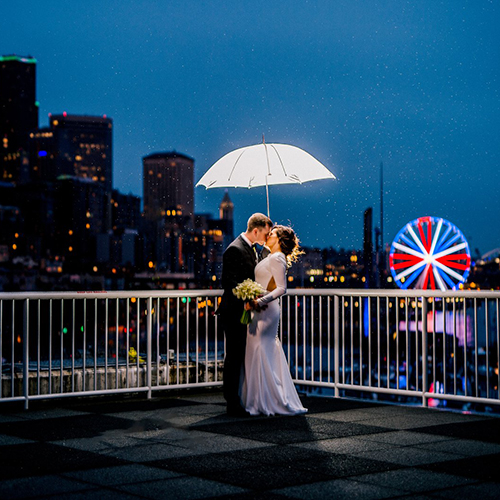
{"type": "Point", "coordinates": [429, 253]}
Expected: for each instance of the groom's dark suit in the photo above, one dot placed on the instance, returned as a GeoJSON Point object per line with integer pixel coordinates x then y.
{"type": "Point", "coordinates": [238, 264]}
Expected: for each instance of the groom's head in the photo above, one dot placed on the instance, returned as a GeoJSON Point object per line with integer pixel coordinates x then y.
{"type": "Point", "coordinates": [258, 228]}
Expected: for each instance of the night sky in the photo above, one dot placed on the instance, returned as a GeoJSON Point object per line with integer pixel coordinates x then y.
{"type": "Point", "coordinates": [412, 84]}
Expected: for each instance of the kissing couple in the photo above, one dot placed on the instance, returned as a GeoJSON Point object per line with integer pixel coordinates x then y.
{"type": "Point", "coordinates": [257, 379]}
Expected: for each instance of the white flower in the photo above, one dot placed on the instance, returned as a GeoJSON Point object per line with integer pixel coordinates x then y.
{"type": "Point", "coordinates": [248, 290]}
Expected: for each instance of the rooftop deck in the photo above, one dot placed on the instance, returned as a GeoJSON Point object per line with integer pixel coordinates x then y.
{"type": "Point", "coordinates": [184, 446]}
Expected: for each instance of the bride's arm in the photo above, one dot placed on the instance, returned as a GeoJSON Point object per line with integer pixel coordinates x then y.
{"type": "Point", "coordinates": [277, 266]}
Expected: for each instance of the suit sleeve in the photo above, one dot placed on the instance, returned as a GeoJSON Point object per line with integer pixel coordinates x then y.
{"type": "Point", "coordinates": [277, 265]}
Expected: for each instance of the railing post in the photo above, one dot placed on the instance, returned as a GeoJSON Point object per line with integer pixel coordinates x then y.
{"type": "Point", "coordinates": [336, 342]}
{"type": "Point", "coordinates": [26, 371]}
{"type": "Point", "coordinates": [148, 342]}
{"type": "Point", "coordinates": [424, 351]}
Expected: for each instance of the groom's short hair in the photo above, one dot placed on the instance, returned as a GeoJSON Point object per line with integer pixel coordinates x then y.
{"type": "Point", "coordinates": [258, 221]}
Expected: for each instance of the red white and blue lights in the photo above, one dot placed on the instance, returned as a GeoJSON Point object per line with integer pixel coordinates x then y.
{"type": "Point", "coordinates": [430, 253]}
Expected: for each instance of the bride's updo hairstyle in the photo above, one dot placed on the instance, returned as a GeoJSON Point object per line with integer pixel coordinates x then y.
{"type": "Point", "coordinates": [289, 243]}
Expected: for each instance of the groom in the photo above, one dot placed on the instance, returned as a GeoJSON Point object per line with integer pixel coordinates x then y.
{"type": "Point", "coordinates": [238, 264]}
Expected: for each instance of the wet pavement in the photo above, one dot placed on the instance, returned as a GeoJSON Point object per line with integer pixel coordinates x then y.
{"type": "Point", "coordinates": [182, 445]}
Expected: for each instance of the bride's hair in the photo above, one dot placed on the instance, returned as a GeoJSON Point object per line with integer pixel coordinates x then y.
{"type": "Point", "coordinates": [289, 243]}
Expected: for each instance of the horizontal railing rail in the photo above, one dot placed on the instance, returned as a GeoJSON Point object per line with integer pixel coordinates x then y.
{"type": "Point", "coordinates": [432, 348]}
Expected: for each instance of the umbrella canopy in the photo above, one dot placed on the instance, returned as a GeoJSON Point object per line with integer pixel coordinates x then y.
{"type": "Point", "coordinates": [264, 165]}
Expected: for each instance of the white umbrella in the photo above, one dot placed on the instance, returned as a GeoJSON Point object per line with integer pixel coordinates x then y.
{"type": "Point", "coordinates": [264, 165]}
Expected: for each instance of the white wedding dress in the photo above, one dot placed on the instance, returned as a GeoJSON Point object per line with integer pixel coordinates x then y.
{"type": "Point", "coordinates": [267, 386]}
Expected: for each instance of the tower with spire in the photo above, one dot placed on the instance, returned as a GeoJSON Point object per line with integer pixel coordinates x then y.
{"type": "Point", "coordinates": [226, 212]}
{"type": "Point", "coordinates": [226, 207]}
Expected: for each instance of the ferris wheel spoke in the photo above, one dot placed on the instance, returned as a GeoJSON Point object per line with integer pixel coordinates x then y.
{"type": "Point", "coordinates": [422, 280]}
{"type": "Point", "coordinates": [449, 271]}
{"type": "Point", "coordinates": [448, 280]}
{"type": "Point", "coordinates": [409, 250]}
{"type": "Point", "coordinates": [404, 256]}
{"type": "Point", "coordinates": [409, 242]}
{"type": "Point", "coordinates": [425, 240]}
{"type": "Point", "coordinates": [408, 281]}
{"type": "Point", "coordinates": [437, 275]}
{"type": "Point", "coordinates": [410, 270]}
{"type": "Point", "coordinates": [421, 234]}
{"type": "Point", "coordinates": [406, 260]}
{"type": "Point", "coordinates": [417, 241]}
{"type": "Point", "coordinates": [436, 235]}
{"type": "Point", "coordinates": [431, 274]}
{"type": "Point", "coordinates": [449, 261]}
{"type": "Point", "coordinates": [442, 239]}
{"type": "Point", "coordinates": [429, 278]}
{"type": "Point", "coordinates": [404, 265]}
{"type": "Point", "coordinates": [450, 250]}
{"type": "Point", "coordinates": [450, 242]}
{"type": "Point", "coordinates": [457, 256]}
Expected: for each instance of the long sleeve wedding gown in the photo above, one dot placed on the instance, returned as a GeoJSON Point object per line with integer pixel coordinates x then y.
{"type": "Point", "coordinates": [267, 384]}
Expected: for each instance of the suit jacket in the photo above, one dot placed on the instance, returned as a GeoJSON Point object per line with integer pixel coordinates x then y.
{"type": "Point", "coordinates": [238, 264]}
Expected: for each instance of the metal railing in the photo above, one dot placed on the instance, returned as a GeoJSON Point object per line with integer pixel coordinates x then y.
{"type": "Point", "coordinates": [432, 347]}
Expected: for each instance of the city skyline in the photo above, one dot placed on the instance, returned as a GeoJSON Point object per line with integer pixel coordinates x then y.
{"type": "Point", "coordinates": [353, 84]}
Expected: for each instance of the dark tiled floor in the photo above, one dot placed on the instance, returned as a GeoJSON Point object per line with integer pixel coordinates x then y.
{"type": "Point", "coordinates": [184, 446]}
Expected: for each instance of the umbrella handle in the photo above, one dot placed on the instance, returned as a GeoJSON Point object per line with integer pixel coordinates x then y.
{"type": "Point", "coordinates": [267, 185]}
{"type": "Point", "coordinates": [267, 196]}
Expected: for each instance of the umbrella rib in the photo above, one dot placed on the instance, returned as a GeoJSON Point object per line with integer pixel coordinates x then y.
{"type": "Point", "coordinates": [279, 158]}
{"type": "Point", "coordinates": [234, 166]}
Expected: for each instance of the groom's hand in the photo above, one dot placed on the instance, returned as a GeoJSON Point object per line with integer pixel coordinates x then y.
{"type": "Point", "coordinates": [257, 307]}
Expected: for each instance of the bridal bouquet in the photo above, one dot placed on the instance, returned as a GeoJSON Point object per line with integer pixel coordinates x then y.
{"type": "Point", "coordinates": [248, 290]}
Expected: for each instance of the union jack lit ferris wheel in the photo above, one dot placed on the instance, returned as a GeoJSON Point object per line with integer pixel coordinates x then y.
{"type": "Point", "coordinates": [429, 253]}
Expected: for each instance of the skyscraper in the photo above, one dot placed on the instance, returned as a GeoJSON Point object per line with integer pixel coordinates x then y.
{"type": "Point", "coordinates": [18, 115]}
{"type": "Point", "coordinates": [226, 215]}
{"type": "Point", "coordinates": [74, 145]}
{"type": "Point", "coordinates": [168, 185]}
{"type": "Point", "coordinates": [226, 208]}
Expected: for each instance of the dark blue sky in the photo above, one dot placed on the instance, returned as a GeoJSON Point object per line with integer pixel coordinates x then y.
{"type": "Point", "coordinates": [414, 84]}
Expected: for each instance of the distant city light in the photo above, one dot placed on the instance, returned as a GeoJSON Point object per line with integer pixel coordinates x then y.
{"type": "Point", "coordinates": [42, 153]}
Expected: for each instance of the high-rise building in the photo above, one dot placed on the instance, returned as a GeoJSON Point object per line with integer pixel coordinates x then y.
{"type": "Point", "coordinates": [74, 145]}
{"type": "Point", "coordinates": [226, 208]}
{"type": "Point", "coordinates": [226, 215]}
{"type": "Point", "coordinates": [18, 115]}
{"type": "Point", "coordinates": [168, 185]}
{"type": "Point", "coordinates": [81, 215]}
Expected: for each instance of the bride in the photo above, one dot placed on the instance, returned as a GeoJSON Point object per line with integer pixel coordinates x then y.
{"type": "Point", "coordinates": [267, 386]}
